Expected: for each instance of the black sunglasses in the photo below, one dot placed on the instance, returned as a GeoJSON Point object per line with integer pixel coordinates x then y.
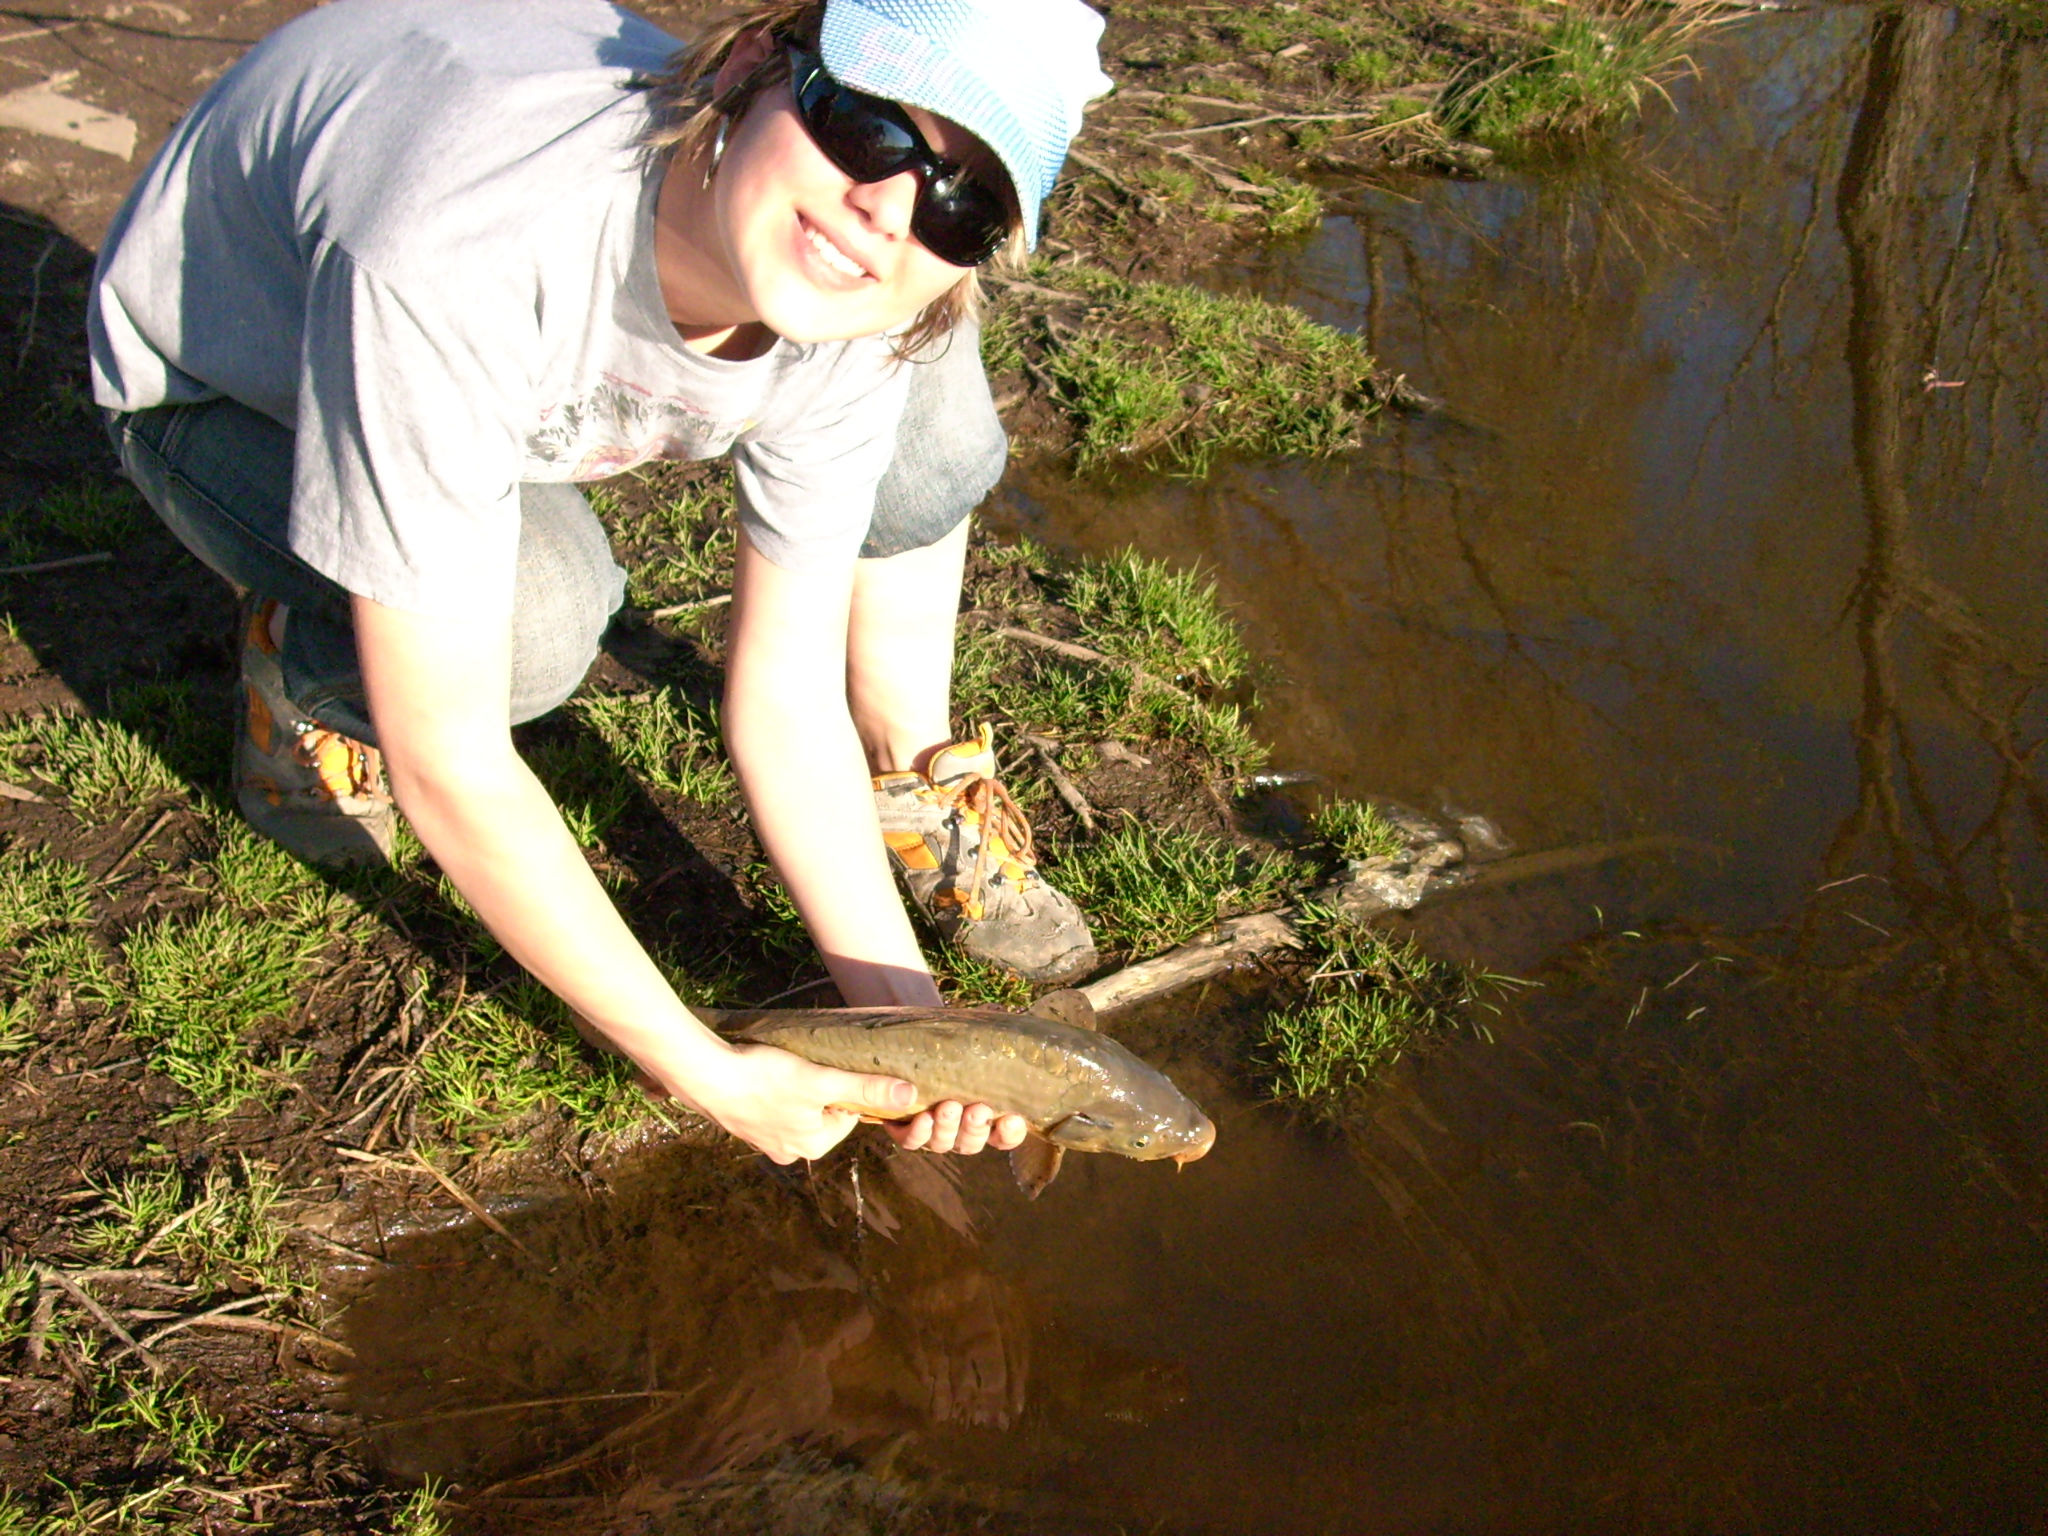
{"type": "Point", "coordinates": [956, 218]}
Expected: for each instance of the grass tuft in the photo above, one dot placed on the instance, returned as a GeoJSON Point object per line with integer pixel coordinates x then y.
{"type": "Point", "coordinates": [1370, 1000]}
{"type": "Point", "coordinates": [1357, 830]}
{"type": "Point", "coordinates": [665, 740]}
{"type": "Point", "coordinates": [102, 767]}
{"type": "Point", "coordinates": [1591, 68]}
{"type": "Point", "coordinates": [202, 987]}
{"type": "Point", "coordinates": [1169, 622]}
{"type": "Point", "coordinates": [40, 892]}
{"type": "Point", "coordinates": [176, 1426]}
{"type": "Point", "coordinates": [219, 1226]}
{"type": "Point", "coordinates": [504, 1057]}
{"type": "Point", "coordinates": [1147, 889]}
{"type": "Point", "coordinates": [420, 1513]}
{"type": "Point", "coordinates": [689, 543]}
{"type": "Point", "coordinates": [18, 1287]}
{"type": "Point", "coordinates": [1172, 376]}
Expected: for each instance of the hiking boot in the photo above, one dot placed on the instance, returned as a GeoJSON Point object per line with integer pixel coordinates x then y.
{"type": "Point", "coordinates": [316, 792]}
{"type": "Point", "coordinates": [964, 851]}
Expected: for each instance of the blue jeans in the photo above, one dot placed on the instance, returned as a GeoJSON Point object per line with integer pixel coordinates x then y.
{"type": "Point", "coordinates": [220, 475]}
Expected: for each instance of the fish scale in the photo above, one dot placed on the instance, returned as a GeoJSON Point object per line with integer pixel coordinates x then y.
{"type": "Point", "coordinates": [1007, 1069]}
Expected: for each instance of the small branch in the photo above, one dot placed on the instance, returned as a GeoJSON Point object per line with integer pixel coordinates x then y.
{"type": "Point", "coordinates": [140, 843]}
{"type": "Point", "coordinates": [16, 792]}
{"type": "Point", "coordinates": [1234, 943]}
{"type": "Point", "coordinates": [1088, 164]}
{"type": "Point", "coordinates": [35, 301]}
{"type": "Point", "coordinates": [100, 1315]}
{"type": "Point", "coordinates": [1063, 786]}
{"type": "Point", "coordinates": [165, 1231]}
{"type": "Point", "coordinates": [1075, 652]}
{"type": "Point", "coordinates": [696, 605]}
{"type": "Point", "coordinates": [211, 1316]}
{"type": "Point", "coordinates": [1304, 117]}
{"type": "Point", "coordinates": [1035, 290]}
{"type": "Point", "coordinates": [462, 1196]}
{"type": "Point", "coordinates": [98, 557]}
{"type": "Point", "coordinates": [1245, 939]}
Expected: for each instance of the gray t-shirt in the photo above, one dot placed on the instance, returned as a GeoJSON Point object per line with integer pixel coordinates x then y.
{"type": "Point", "coordinates": [420, 233]}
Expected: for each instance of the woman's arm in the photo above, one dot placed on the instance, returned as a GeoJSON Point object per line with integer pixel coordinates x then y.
{"type": "Point", "coordinates": [806, 781]}
{"type": "Point", "coordinates": [437, 691]}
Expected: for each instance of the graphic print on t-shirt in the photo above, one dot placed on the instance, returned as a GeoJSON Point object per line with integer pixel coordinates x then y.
{"type": "Point", "coordinates": [617, 425]}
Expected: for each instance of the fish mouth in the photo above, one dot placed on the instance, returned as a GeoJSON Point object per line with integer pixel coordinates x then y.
{"type": "Point", "coordinates": [1197, 1152]}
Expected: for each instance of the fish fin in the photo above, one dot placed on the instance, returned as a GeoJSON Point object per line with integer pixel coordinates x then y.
{"type": "Point", "coordinates": [1036, 1163]}
{"type": "Point", "coordinates": [1068, 1006]}
{"type": "Point", "coordinates": [1079, 1130]}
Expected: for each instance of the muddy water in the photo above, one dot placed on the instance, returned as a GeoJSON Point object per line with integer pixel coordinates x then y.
{"type": "Point", "coordinates": [1732, 528]}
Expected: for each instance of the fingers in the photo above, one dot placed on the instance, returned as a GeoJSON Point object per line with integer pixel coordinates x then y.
{"type": "Point", "coordinates": [955, 1127]}
{"type": "Point", "coordinates": [886, 1096]}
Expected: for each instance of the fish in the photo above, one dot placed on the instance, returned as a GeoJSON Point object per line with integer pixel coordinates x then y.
{"type": "Point", "coordinates": [1079, 1090]}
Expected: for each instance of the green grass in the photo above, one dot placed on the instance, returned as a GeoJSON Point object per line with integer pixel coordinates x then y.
{"type": "Point", "coordinates": [219, 1226]}
{"type": "Point", "coordinates": [1175, 377]}
{"type": "Point", "coordinates": [1355, 830]}
{"type": "Point", "coordinates": [664, 740]}
{"type": "Point", "coordinates": [689, 541]}
{"type": "Point", "coordinates": [97, 514]}
{"type": "Point", "coordinates": [1367, 69]}
{"type": "Point", "coordinates": [101, 766]}
{"type": "Point", "coordinates": [1147, 889]}
{"type": "Point", "coordinates": [39, 892]}
{"type": "Point", "coordinates": [995, 678]}
{"type": "Point", "coordinates": [586, 781]}
{"type": "Point", "coordinates": [18, 1287]}
{"type": "Point", "coordinates": [1369, 1000]}
{"type": "Point", "coordinates": [1170, 622]}
{"type": "Point", "coordinates": [505, 1057]}
{"type": "Point", "coordinates": [1293, 209]}
{"type": "Point", "coordinates": [90, 514]}
{"type": "Point", "coordinates": [17, 1026]}
{"type": "Point", "coordinates": [420, 1514]}
{"type": "Point", "coordinates": [202, 986]}
{"type": "Point", "coordinates": [970, 983]}
{"type": "Point", "coordinates": [1589, 69]}
{"type": "Point", "coordinates": [176, 1425]}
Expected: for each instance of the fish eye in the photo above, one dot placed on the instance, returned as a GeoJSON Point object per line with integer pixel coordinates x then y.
{"type": "Point", "coordinates": [1139, 1141]}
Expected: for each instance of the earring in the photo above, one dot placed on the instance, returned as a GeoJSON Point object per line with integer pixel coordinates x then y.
{"type": "Point", "coordinates": [717, 151]}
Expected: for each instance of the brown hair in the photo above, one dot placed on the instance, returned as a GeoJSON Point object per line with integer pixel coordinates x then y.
{"type": "Point", "coordinates": [685, 117]}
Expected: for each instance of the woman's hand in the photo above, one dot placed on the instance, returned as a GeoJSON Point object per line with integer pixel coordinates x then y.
{"type": "Point", "coordinates": [789, 1108]}
{"type": "Point", "coordinates": [954, 1127]}
{"type": "Point", "coordinates": [781, 1105]}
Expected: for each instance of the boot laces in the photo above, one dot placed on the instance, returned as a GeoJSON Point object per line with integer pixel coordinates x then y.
{"type": "Point", "coordinates": [992, 806]}
{"type": "Point", "coordinates": [347, 769]}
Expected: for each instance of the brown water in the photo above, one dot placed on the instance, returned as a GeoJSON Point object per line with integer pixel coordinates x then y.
{"type": "Point", "coordinates": [1733, 529]}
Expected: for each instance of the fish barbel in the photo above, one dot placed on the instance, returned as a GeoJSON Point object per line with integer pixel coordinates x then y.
{"type": "Point", "coordinates": [1078, 1089]}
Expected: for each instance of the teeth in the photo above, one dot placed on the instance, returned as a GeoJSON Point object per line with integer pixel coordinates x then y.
{"type": "Point", "coordinates": [835, 258]}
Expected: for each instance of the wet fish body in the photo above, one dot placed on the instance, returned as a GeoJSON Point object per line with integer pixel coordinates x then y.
{"type": "Point", "coordinates": [1078, 1089]}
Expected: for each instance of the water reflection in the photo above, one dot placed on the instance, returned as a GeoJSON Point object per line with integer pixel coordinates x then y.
{"type": "Point", "coordinates": [625, 1348]}
{"type": "Point", "coordinates": [1734, 531]}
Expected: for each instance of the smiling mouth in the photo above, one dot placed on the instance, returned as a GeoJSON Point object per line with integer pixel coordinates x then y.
{"type": "Point", "coordinates": [834, 258]}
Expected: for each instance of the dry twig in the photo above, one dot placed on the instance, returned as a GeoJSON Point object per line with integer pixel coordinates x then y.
{"type": "Point", "coordinates": [695, 605]}
{"type": "Point", "coordinates": [100, 1315]}
{"type": "Point", "coordinates": [98, 557]}
{"type": "Point", "coordinates": [1063, 786]}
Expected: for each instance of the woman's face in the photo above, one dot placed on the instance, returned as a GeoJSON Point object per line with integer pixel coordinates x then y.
{"type": "Point", "coordinates": [812, 254]}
